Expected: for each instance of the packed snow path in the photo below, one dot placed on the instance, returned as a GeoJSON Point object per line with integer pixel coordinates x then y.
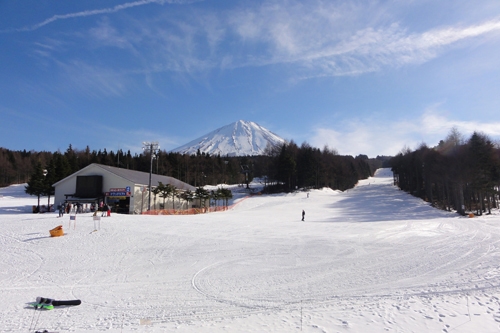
{"type": "Point", "coordinates": [369, 259]}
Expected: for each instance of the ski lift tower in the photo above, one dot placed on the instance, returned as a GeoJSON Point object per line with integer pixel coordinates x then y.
{"type": "Point", "coordinates": [152, 148]}
{"type": "Point", "coordinates": [245, 170]}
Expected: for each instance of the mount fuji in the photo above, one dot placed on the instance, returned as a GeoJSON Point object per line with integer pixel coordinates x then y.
{"type": "Point", "coordinates": [241, 138]}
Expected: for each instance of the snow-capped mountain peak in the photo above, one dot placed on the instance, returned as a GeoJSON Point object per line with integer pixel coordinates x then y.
{"type": "Point", "coordinates": [240, 138]}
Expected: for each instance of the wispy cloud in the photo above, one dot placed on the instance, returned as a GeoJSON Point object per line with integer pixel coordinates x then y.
{"type": "Point", "coordinates": [317, 39]}
{"type": "Point", "coordinates": [91, 80]}
{"type": "Point", "coordinates": [434, 123]}
{"type": "Point", "coordinates": [312, 40]}
{"type": "Point", "coordinates": [331, 45]}
{"type": "Point", "coordinates": [92, 12]}
{"type": "Point", "coordinates": [373, 136]}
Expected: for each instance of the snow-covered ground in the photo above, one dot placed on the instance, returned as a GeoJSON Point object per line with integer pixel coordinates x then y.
{"type": "Point", "coordinates": [371, 259]}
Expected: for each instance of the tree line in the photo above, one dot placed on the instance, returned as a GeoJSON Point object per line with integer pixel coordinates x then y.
{"type": "Point", "coordinates": [283, 168]}
{"type": "Point", "coordinates": [289, 166]}
{"type": "Point", "coordinates": [458, 174]}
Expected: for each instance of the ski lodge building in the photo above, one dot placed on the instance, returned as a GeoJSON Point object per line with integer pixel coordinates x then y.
{"type": "Point", "coordinates": [123, 190]}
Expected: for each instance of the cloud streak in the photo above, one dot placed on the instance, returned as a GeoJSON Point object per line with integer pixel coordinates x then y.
{"type": "Point", "coordinates": [86, 13]}
{"type": "Point", "coordinates": [91, 80]}
{"type": "Point", "coordinates": [320, 39]}
{"type": "Point", "coordinates": [314, 40]}
{"type": "Point", "coordinates": [369, 49]}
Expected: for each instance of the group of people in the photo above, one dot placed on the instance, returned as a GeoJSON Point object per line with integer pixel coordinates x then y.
{"type": "Point", "coordinates": [104, 208]}
{"type": "Point", "coordinates": [42, 209]}
{"type": "Point", "coordinates": [79, 208]}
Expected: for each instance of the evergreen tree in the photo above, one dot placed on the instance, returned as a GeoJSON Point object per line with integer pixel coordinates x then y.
{"type": "Point", "coordinates": [62, 166]}
{"type": "Point", "coordinates": [164, 192]}
{"type": "Point", "coordinates": [286, 166]}
{"type": "Point", "coordinates": [187, 196]}
{"type": "Point", "coordinates": [225, 194]}
{"type": "Point", "coordinates": [202, 195]}
{"type": "Point", "coordinates": [49, 180]}
{"type": "Point", "coordinates": [36, 184]}
{"type": "Point", "coordinates": [70, 154]}
{"type": "Point", "coordinates": [173, 194]}
{"type": "Point", "coordinates": [156, 191]}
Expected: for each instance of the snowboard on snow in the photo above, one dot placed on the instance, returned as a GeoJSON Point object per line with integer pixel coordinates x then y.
{"type": "Point", "coordinates": [49, 303]}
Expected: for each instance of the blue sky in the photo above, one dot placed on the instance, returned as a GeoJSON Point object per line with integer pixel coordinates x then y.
{"type": "Point", "coordinates": [361, 77]}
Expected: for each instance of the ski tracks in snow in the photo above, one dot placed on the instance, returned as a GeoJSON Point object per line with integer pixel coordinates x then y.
{"type": "Point", "coordinates": [369, 259]}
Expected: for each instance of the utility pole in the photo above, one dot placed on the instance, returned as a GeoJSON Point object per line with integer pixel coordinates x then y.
{"type": "Point", "coordinates": [152, 148]}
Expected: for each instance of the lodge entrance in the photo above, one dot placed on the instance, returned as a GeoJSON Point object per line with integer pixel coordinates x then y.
{"type": "Point", "coordinates": [119, 205]}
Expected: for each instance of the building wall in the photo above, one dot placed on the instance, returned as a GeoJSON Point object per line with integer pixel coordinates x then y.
{"type": "Point", "coordinates": [67, 186]}
{"type": "Point", "coordinates": [138, 198]}
{"type": "Point", "coordinates": [139, 202]}
{"type": "Point", "coordinates": [109, 180]}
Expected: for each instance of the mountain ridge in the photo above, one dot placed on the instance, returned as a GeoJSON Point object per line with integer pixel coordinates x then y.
{"type": "Point", "coordinates": [241, 138]}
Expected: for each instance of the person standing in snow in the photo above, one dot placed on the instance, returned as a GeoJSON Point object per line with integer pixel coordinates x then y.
{"type": "Point", "coordinates": [60, 209]}
{"type": "Point", "coordinates": [104, 210]}
{"type": "Point", "coordinates": [303, 215]}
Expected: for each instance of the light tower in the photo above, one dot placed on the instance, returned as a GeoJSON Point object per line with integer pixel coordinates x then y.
{"type": "Point", "coordinates": [152, 148]}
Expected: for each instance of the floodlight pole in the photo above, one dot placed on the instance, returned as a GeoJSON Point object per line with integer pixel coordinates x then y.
{"type": "Point", "coordinates": [152, 147]}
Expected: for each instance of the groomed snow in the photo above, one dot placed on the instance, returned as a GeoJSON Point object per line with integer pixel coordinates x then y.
{"type": "Point", "coordinates": [371, 259]}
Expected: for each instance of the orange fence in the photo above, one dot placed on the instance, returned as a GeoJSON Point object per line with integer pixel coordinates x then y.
{"type": "Point", "coordinates": [191, 211]}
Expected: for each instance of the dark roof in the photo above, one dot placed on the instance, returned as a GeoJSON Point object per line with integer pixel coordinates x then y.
{"type": "Point", "coordinates": [139, 177]}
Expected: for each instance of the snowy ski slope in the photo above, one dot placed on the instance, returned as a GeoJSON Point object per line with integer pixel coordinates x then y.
{"type": "Point", "coordinates": [371, 259]}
